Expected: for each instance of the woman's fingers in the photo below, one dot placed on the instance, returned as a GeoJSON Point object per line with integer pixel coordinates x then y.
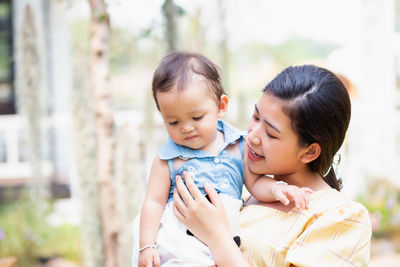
{"type": "Point", "coordinates": [212, 194]}
{"type": "Point", "coordinates": [178, 214]}
{"type": "Point", "coordinates": [182, 190]}
{"type": "Point", "coordinates": [178, 203]}
{"type": "Point", "coordinates": [191, 186]}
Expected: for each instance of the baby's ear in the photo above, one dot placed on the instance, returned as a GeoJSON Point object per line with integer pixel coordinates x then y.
{"type": "Point", "coordinates": [223, 105]}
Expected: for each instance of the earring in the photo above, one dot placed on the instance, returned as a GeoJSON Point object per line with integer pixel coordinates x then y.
{"type": "Point", "coordinates": [336, 161]}
{"type": "Point", "coordinates": [326, 173]}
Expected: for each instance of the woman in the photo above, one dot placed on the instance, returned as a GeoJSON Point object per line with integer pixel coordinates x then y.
{"type": "Point", "coordinates": [297, 127]}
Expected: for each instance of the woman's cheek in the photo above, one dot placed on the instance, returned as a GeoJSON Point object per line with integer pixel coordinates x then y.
{"type": "Point", "coordinates": [250, 128]}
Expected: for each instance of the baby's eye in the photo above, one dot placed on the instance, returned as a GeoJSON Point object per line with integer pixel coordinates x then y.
{"type": "Point", "coordinates": [198, 118]}
{"type": "Point", "coordinates": [255, 118]}
{"type": "Point", "coordinates": [173, 123]}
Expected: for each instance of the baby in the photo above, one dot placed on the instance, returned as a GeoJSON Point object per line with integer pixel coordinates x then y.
{"type": "Point", "coordinates": [188, 93]}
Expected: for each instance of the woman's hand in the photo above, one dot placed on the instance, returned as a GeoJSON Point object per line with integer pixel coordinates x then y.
{"type": "Point", "coordinates": [207, 221]}
{"type": "Point", "coordinates": [194, 211]}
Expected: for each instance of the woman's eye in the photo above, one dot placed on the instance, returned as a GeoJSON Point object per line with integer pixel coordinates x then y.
{"type": "Point", "coordinates": [271, 136]}
{"type": "Point", "coordinates": [173, 123]}
{"type": "Point", "coordinates": [198, 118]}
{"type": "Point", "coordinates": [255, 118]}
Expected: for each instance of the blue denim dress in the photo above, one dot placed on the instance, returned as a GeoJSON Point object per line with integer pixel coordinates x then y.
{"type": "Point", "coordinates": [224, 171]}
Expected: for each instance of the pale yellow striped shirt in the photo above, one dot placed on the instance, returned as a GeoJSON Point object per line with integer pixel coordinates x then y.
{"type": "Point", "coordinates": [333, 231]}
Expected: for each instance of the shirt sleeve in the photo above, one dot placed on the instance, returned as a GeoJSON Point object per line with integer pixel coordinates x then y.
{"type": "Point", "coordinates": [337, 237]}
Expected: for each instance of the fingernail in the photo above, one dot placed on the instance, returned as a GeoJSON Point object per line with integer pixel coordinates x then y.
{"type": "Point", "coordinates": [207, 184]}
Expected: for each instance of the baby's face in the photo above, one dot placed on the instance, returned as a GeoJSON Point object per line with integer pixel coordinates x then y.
{"type": "Point", "coordinates": [191, 115]}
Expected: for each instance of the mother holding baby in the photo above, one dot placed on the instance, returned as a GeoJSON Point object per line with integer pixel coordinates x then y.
{"type": "Point", "coordinates": [297, 127]}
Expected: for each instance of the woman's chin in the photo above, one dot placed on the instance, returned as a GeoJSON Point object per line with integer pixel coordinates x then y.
{"type": "Point", "coordinates": [256, 169]}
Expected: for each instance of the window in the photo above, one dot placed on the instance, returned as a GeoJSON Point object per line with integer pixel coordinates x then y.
{"type": "Point", "coordinates": [6, 59]}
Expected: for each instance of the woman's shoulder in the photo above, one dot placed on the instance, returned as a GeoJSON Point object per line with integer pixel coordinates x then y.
{"type": "Point", "coordinates": [330, 202]}
{"type": "Point", "coordinates": [338, 232]}
{"type": "Point", "coordinates": [326, 206]}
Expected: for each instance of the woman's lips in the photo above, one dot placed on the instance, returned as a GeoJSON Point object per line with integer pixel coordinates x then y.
{"type": "Point", "coordinates": [253, 155]}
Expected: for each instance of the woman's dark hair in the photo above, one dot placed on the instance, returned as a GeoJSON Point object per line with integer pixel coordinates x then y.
{"type": "Point", "coordinates": [176, 69]}
{"type": "Point", "coordinates": [318, 105]}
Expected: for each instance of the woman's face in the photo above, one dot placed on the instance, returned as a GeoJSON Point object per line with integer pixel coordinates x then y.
{"type": "Point", "coordinates": [273, 146]}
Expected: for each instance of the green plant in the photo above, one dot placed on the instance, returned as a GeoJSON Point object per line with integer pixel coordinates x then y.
{"type": "Point", "coordinates": [382, 200]}
{"type": "Point", "coordinates": [25, 234]}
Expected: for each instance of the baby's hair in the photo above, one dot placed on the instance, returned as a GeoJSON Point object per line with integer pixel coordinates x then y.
{"type": "Point", "coordinates": [318, 105]}
{"type": "Point", "coordinates": [177, 68]}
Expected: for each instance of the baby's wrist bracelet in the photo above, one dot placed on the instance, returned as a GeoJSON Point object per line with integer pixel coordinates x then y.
{"type": "Point", "coordinates": [274, 187]}
{"type": "Point", "coordinates": [146, 247]}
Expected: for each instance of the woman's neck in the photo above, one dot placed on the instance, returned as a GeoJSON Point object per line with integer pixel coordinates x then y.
{"type": "Point", "coordinates": [304, 178]}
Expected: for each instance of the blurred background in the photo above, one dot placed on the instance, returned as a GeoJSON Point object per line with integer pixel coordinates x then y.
{"type": "Point", "coordinates": [78, 126]}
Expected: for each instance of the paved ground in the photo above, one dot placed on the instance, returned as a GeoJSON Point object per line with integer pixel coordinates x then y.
{"type": "Point", "coordinates": [384, 254]}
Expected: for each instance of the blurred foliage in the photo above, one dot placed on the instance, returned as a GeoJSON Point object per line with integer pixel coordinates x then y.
{"type": "Point", "coordinates": [80, 35]}
{"type": "Point", "coordinates": [382, 199]}
{"type": "Point", "coordinates": [124, 47]}
{"type": "Point", "coordinates": [26, 235]}
{"type": "Point", "coordinates": [397, 18]}
{"type": "Point", "coordinates": [5, 59]}
{"type": "Point", "coordinates": [292, 51]}
{"type": "Point", "coordinates": [180, 11]}
{"type": "Point", "coordinates": [128, 59]}
{"type": "Point", "coordinates": [296, 50]}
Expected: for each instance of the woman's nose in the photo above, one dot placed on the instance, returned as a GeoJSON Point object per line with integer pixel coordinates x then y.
{"type": "Point", "coordinates": [253, 136]}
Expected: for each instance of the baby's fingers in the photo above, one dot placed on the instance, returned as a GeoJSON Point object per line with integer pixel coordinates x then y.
{"type": "Point", "coordinates": [307, 190]}
{"type": "Point", "coordinates": [297, 197]}
{"type": "Point", "coordinates": [307, 199]}
{"type": "Point", "coordinates": [282, 198]}
{"type": "Point", "coordinates": [156, 259]}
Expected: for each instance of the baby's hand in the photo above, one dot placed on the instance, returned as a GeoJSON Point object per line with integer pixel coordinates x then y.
{"type": "Point", "coordinates": [286, 193]}
{"type": "Point", "coordinates": [149, 258]}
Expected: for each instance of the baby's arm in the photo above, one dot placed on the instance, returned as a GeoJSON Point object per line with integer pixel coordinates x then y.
{"type": "Point", "coordinates": [266, 189]}
{"type": "Point", "coordinates": [152, 210]}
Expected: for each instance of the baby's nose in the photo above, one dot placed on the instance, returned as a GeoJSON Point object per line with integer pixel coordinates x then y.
{"type": "Point", "coordinates": [187, 128]}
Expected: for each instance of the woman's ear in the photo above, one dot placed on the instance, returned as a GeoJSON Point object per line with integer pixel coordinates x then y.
{"type": "Point", "coordinates": [223, 106]}
{"type": "Point", "coordinates": [311, 153]}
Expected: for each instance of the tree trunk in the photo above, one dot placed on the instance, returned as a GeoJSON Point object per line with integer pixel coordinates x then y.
{"type": "Point", "coordinates": [99, 68]}
{"type": "Point", "coordinates": [169, 11]}
{"type": "Point", "coordinates": [130, 185]}
{"type": "Point", "coordinates": [223, 44]}
{"type": "Point", "coordinates": [85, 154]}
{"type": "Point", "coordinates": [30, 104]}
